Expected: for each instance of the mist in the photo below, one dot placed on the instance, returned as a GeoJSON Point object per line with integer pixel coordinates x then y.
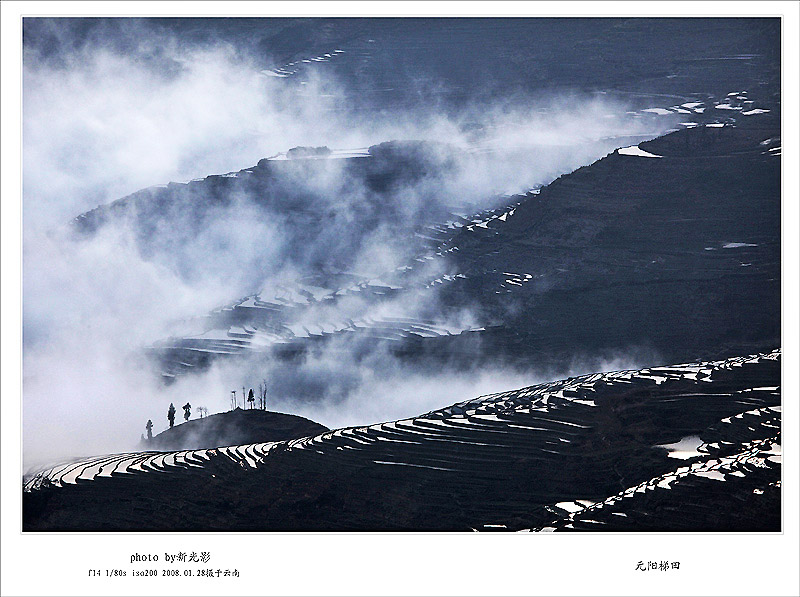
{"type": "Point", "coordinates": [102, 123]}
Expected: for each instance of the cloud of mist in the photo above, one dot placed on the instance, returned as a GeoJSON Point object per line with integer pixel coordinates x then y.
{"type": "Point", "coordinates": [102, 124]}
{"type": "Point", "coordinates": [107, 124]}
{"type": "Point", "coordinates": [385, 389]}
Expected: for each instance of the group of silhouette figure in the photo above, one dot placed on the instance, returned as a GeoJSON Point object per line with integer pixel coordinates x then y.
{"type": "Point", "coordinates": [203, 411]}
{"type": "Point", "coordinates": [187, 412]}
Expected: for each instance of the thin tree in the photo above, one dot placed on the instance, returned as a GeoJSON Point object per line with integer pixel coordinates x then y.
{"type": "Point", "coordinates": [251, 399]}
{"type": "Point", "coordinates": [262, 390]}
{"type": "Point", "coordinates": [149, 428]}
{"type": "Point", "coordinates": [187, 411]}
{"type": "Point", "coordinates": [171, 414]}
{"type": "Point", "coordinates": [233, 399]}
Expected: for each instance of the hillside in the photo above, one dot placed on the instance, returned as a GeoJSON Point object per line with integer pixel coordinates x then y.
{"type": "Point", "coordinates": [661, 255]}
{"type": "Point", "coordinates": [234, 428]}
{"type": "Point", "coordinates": [669, 253]}
{"type": "Point", "coordinates": [685, 447]}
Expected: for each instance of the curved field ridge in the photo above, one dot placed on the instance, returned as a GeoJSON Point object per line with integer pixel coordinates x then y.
{"type": "Point", "coordinates": [591, 452]}
{"type": "Point", "coordinates": [748, 467]}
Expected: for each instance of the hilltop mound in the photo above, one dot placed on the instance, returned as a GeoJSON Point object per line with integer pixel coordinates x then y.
{"type": "Point", "coordinates": [234, 428]}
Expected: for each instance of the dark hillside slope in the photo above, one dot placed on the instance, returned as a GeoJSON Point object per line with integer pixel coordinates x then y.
{"type": "Point", "coordinates": [679, 254]}
{"type": "Point", "coordinates": [503, 55]}
{"type": "Point", "coordinates": [324, 208]}
{"type": "Point", "coordinates": [670, 258]}
{"type": "Point", "coordinates": [698, 443]}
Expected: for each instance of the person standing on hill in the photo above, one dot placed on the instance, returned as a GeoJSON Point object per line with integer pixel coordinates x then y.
{"type": "Point", "coordinates": [149, 428]}
{"type": "Point", "coordinates": [171, 414]}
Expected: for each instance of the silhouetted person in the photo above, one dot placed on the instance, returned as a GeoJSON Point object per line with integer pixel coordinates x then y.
{"type": "Point", "coordinates": [251, 398]}
{"type": "Point", "coordinates": [187, 411]}
{"type": "Point", "coordinates": [149, 428]}
{"type": "Point", "coordinates": [171, 414]}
